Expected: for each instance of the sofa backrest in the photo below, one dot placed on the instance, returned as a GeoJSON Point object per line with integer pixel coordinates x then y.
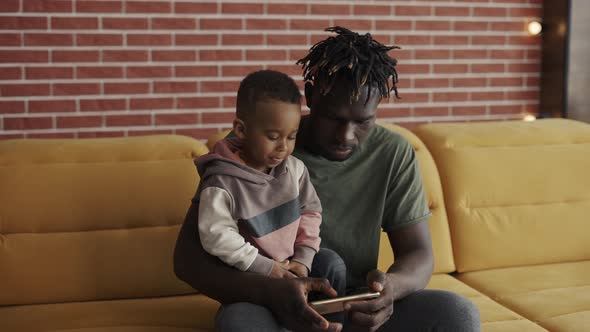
{"type": "Point", "coordinates": [92, 219]}
{"type": "Point", "coordinates": [439, 227]}
{"type": "Point", "coordinates": [516, 193]}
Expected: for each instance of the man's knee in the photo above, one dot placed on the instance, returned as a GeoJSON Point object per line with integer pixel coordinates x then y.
{"type": "Point", "coordinates": [328, 264]}
{"type": "Point", "coordinates": [245, 316]}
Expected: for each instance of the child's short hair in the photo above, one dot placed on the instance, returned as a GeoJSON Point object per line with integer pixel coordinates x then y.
{"type": "Point", "coordinates": [264, 85]}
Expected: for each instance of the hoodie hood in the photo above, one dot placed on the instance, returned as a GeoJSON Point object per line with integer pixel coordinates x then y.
{"type": "Point", "coordinates": [224, 160]}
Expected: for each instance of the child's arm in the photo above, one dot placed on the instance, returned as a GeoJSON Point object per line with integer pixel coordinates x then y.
{"type": "Point", "coordinates": [220, 236]}
{"type": "Point", "coordinates": [307, 242]}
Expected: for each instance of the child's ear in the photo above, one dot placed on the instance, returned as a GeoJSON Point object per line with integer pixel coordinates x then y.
{"type": "Point", "coordinates": [239, 128]}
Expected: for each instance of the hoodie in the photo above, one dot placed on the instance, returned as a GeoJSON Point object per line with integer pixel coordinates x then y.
{"type": "Point", "coordinates": [248, 218]}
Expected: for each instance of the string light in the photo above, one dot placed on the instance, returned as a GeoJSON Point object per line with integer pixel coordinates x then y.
{"type": "Point", "coordinates": [534, 27]}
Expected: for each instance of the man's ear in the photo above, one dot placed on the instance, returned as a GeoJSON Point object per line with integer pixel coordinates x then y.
{"type": "Point", "coordinates": [308, 90]}
{"type": "Point", "coordinates": [239, 128]}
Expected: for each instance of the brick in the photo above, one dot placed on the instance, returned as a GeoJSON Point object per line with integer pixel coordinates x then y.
{"type": "Point", "coordinates": [360, 26]}
{"type": "Point", "coordinates": [195, 71]}
{"type": "Point", "coordinates": [220, 55]}
{"type": "Point", "coordinates": [198, 133]}
{"type": "Point", "coordinates": [14, 90]}
{"type": "Point", "coordinates": [533, 12]}
{"type": "Point", "coordinates": [238, 70]}
{"type": "Point", "coordinates": [488, 95]}
{"type": "Point", "coordinates": [149, 132]}
{"type": "Point", "coordinates": [173, 23]}
{"type": "Point", "coordinates": [75, 56]}
{"type": "Point", "coordinates": [10, 39]}
{"type": "Point", "coordinates": [266, 55]}
{"type": "Point", "coordinates": [372, 10]}
{"type": "Point", "coordinates": [99, 72]}
{"type": "Point", "coordinates": [99, 39]}
{"type": "Point", "coordinates": [26, 123]}
{"type": "Point", "coordinates": [469, 82]}
{"type": "Point", "coordinates": [88, 6]}
{"type": "Point", "coordinates": [148, 71]}
{"type": "Point", "coordinates": [431, 111]}
{"type": "Point", "coordinates": [433, 25]}
{"type": "Point", "coordinates": [506, 81]}
{"type": "Point", "coordinates": [126, 88]}
{"type": "Point", "coordinates": [468, 110]}
{"type": "Point", "coordinates": [12, 106]}
{"type": "Point", "coordinates": [241, 8]}
{"type": "Point", "coordinates": [432, 54]}
{"type": "Point", "coordinates": [50, 135]}
{"type": "Point", "coordinates": [450, 96]}
{"type": "Point", "coordinates": [230, 101]}
{"type": "Point", "coordinates": [412, 98]}
{"type": "Point", "coordinates": [490, 11]}
{"type": "Point", "coordinates": [195, 39]}
{"type": "Point", "coordinates": [507, 54]}
{"type": "Point", "coordinates": [75, 23]}
{"type": "Point", "coordinates": [505, 109]}
{"type": "Point", "coordinates": [487, 68]}
{"type": "Point", "coordinates": [117, 23]}
{"type": "Point", "coordinates": [422, 83]}
{"type": "Point", "coordinates": [148, 7]}
{"type": "Point", "coordinates": [8, 6]}
{"type": "Point", "coordinates": [125, 56]}
{"type": "Point", "coordinates": [524, 67]}
{"type": "Point", "coordinates": [533, 81]}
{"type": "Point", "coordinates": [197, 102]}
{"type": "Point", "coordinates": [220, 86]}
{"type": "Point", "coordinates": [195, 8]}
{"type": "Point", "coordinates": [471, 26]}
{"type": "Point", "coordinates": [177, 119]}
{"type": "Point", "coordinates": [47, 6]}
{"type": "Point", "coordinates": [450, 68]}
{"type": "Point", "coordinates": [48, 39]}
{"type": "Point", "coordinates": [174, 55]}
{"type": "Point", "coordinates": [43, 73]}
{"type": "Point", "coordinates": [329, 9]}
{"type": "Point", "coordinates": [102, 105]}
{"type": "Point", "coordinates": [525, 40]}
{"type": "Point", "coordinates": [304, 24]}
{"type": "Point", "coordinates": [11, 136]}
{"type": "Point", "coordinates": [11, 73]}
{"type": "Point", "coordinates": [403, 40]}
{"type": "Point", "coordinates": [488, 40]}
{"type": "Point", "coordinates": [266, 24]}
{"type": "Point", "coordinates": [78, 121]}
{"type": "Point", "coordinates": [225, 117]}
{"type": "Point", "coordinates": [507, 26]}
{"type": "Point", "coordinates": [151, 103]}
{"type": "Point", "coordinates": [149, 39]}
{"type": "Point", "coordinates": [397, 112]}
{"type": "Point", "coordinates": [534, 54]}
{"type": "Point", "coordinates": [293, 70]}
{"type": "Point", "coordinates": [100, 134]}
{"type": "Point", "coordinates": [408, 69]}
{"type": "Point", "coordinates": [257, 39]}
{"type": "Point", "coordinates": [413, 10]}
{"type": "Point", "coordinates": [286, 8]}
{"type": "Point", "coordinates": [220, 24]}
{"type": "Point", "coordinates": [470, 54]}
{"type": "Point", "coordinates": [128, 120]}
{"type": "Point", "coordinates": [451, 11]}
{"type": "Point", "coordinates": [74, 89]}
{"type": "Point", "coordinates": [393, 25]}
{"type": "Point", "coordinates": [287, 39]}
{"type": "Point", "coordinates": [175, 87]}
{"type": "Point", "coordinates": [23, 23]}
{"type": "Point", "coordinates": [451, 40]}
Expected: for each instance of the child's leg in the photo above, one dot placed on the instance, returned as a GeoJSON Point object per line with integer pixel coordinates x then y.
{"type": "Point", "coordinates": [328, 264]}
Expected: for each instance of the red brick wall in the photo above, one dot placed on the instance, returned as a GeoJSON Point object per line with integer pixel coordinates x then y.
{"type": "Point", "coordinates": [81, 68]}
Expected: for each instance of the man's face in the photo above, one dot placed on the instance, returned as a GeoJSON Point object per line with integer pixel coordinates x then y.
{"type": "Point", "coordinates": [337, 126]}
{"type": "Point", "coordinates": [269, 135]}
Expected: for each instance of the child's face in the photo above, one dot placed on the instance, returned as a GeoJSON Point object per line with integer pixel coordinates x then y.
{"type": "Point", "coordinates": [269, 135]}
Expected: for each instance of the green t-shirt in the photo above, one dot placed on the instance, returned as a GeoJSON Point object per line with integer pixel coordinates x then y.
{"type": "Point", "coordinates": [378, 187]}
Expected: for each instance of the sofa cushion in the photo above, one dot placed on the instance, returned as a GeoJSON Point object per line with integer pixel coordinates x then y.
{"type": "Point", "coordinates": [494, 317]}
{"type": "Point", "coordinates": [557, 296]}
{"type": "Point", "coordinates": [516, 192]}
{"type": "Point", "coordinates": [162, 314]}
{"type": "Point", "coordinates": [92, 219]}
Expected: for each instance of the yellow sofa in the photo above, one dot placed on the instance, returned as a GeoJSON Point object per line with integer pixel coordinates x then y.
{"type": "Point", "coordinates": [87, 227]}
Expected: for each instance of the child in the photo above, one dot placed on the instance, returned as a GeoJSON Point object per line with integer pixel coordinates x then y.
{"type": "Point", "coordinates": [258, 210]}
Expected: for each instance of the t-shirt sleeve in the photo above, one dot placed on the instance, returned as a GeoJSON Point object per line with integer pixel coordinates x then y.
{"type": "Point", "coordinates": [405, 203]}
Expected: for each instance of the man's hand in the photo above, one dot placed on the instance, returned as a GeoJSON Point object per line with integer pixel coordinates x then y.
{"type": "Point", "coordinates": [288, 301]}
{"type": "Point", "coordinates": [370, 315]}
{"type": "Point", "coordinates": [281, 270]}
{"type": "Point", "coordinates": [298, 269]}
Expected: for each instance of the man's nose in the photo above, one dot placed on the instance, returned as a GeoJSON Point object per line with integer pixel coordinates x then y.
{"type": "Point", "coordinates": [345, 133]}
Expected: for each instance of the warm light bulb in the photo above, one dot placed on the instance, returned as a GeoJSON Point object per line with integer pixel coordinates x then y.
{"type": "Point", "coordinates": [529, 118]}
{"type": "Point", "coordinates": [534, 27]}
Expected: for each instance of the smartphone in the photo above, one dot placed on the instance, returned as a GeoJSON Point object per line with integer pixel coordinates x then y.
{"type": "Point", "coordinates": [337, 304]}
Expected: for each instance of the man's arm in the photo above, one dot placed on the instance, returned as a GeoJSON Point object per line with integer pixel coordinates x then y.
{"type": "Point", "coordinates": [286, 298]}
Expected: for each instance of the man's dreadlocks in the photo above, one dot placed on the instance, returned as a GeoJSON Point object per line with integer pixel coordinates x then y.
{"type": "Point", "coordinates": [364, 59]}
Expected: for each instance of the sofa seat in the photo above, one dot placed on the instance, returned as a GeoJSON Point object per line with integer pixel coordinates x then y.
{"type": "Point", "coordinates": [159, 314]}
{"type": "Point", "coordinates": [494, 317]}
{"type": "Point", "coordinates": [556, 296]}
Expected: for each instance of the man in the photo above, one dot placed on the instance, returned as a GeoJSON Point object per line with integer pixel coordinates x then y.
{"type": "Point", "coordinates": [368, 180]}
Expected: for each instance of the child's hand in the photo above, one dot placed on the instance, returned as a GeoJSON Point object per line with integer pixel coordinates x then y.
{"type": "Point", "coordinates": [280, 270]}
{"type": "Point", "coordinates": [299, 269]}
